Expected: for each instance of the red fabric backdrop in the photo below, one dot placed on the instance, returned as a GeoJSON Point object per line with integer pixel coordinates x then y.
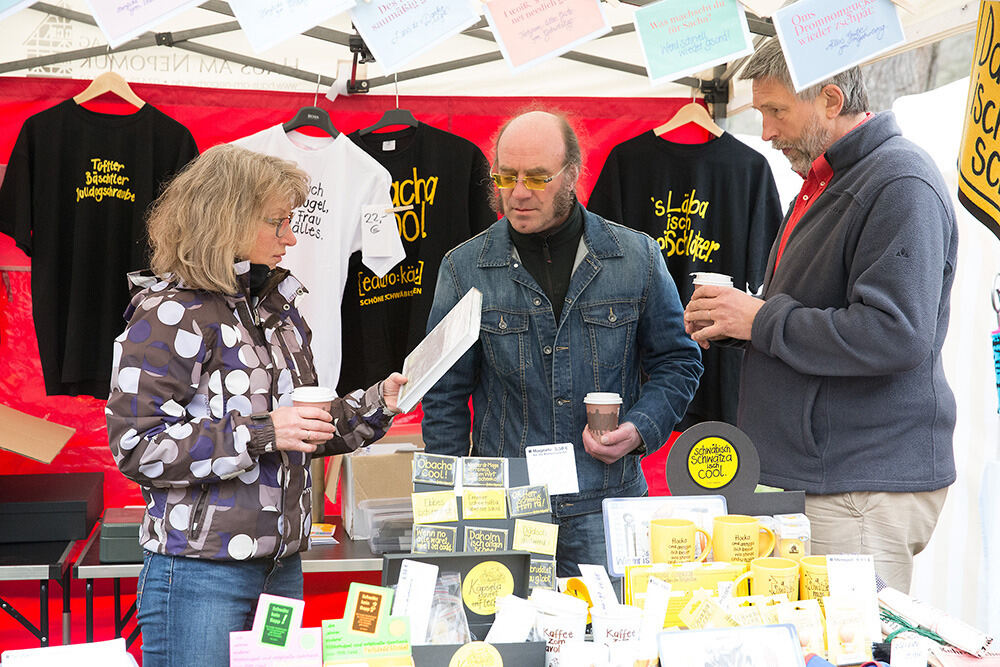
{"type": "Point", "coordinates": [215, 116]}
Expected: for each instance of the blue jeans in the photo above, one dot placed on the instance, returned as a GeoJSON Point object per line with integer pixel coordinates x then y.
{"type": "Point", "coordinates": [581, 540]}
{"type": "Point", "coordinates": [188, 606]}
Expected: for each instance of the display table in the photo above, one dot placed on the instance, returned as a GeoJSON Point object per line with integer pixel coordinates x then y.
{"type": "Point", "coordinates": [346, 556]}
{"type": "Point", "coordinates": [21, 561]}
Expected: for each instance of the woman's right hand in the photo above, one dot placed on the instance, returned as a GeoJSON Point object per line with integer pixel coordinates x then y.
{"type": "Point", "coordinates": [301, 429]}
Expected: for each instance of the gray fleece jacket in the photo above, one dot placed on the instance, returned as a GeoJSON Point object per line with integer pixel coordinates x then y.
{"type": "Point", "coordinates": [842, 386]}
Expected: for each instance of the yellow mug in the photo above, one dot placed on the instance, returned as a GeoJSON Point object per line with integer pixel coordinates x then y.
{"type": "Point", "coordinates": [772, 576]}
{"type": "Point", "coordinates": [673, 541]}
{"type": "Point", "coordinates": [736, 538]}
{"type": "Point", "coordinates": [814, 582]}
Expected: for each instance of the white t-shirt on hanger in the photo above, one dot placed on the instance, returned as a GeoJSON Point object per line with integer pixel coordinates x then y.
{"type": "Point", "coordinates": [327, 226]}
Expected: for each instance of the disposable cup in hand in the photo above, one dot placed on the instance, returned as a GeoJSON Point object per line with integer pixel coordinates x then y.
{"type": "Point", "coordinates": [717, 279]}
{"type": "Point", "coordinates": [602, 411]}
{"type": "Point", "coordinates": [314, 397]}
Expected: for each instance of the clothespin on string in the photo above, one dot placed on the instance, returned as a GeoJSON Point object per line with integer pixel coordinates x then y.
{"type": "Point", "coordinates": [399, 209]}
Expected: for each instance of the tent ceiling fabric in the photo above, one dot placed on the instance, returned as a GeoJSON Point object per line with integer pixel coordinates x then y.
{"type": "Point", "coordinates": [210, 50]}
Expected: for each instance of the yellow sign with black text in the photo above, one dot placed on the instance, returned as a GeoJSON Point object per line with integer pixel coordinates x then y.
{"type": "Point", "coordinates": [713, 462]}
{"type": "Point", "coordinates": [484, 504]}
{"type": "Point", "coordinates": [484, 584]}
{"type": "Point", "coordinates": [535, 537]}
{"type": "Point", "coordinates": [434, 507]}
{"type": "Point", "coordinates": [979, 154]}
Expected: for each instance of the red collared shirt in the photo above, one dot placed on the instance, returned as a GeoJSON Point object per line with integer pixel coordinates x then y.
{"type": "Point", "coordinates": [819, 176]}
{"type": "Point", "coordinates": [816, 181]}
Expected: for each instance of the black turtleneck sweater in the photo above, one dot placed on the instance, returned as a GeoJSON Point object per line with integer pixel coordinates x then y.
{"type": "Point", "coordinates": [549, 256]}
{"type": "Point", "coordinates": [258, 276]}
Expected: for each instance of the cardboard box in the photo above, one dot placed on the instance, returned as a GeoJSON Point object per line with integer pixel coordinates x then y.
{"type": "Point", "coordinates": [382, 470]}
{"type": "Point", "coordinates": [32, 437]}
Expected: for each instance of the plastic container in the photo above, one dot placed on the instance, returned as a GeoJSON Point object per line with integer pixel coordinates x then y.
{"type": "Point", "coordinates": [387, 523]}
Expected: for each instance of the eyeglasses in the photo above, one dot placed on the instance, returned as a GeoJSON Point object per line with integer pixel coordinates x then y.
{"type": "Point", "coordinates": [507, 181]}
{"type": "Point", "coordinates": [279, 224]}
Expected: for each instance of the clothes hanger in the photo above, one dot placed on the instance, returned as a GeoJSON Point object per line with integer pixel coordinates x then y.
{"type": "Point", "coordinates": [109, 82]}
{"type": "Point", "coordinates": [312, 116]}
{"type": "Point", "coordinates": [690, 113]}
{"type": "Point", "coordinates": [395, 116]}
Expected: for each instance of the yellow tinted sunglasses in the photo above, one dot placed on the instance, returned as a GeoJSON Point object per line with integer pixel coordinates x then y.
{"type": "Point", "coordinates": [508, 181]}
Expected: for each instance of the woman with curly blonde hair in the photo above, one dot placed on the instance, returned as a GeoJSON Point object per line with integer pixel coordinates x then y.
{"type": "Point", "coordinates": [200, 413]}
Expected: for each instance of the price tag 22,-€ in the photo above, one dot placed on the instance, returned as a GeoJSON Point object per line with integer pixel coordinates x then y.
{"type": "Point", "coordinates": [379, 234]}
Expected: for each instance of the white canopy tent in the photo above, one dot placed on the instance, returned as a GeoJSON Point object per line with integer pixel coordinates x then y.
{"type": "Point", "coordinates": [208, 49]}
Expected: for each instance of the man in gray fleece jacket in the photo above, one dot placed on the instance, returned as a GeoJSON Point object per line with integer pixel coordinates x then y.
{"type": "Point", "coordinates": [842, 389]}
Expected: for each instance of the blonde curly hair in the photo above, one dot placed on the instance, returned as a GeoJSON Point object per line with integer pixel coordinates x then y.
{"type": "Point", "coordinates": [208, 215]}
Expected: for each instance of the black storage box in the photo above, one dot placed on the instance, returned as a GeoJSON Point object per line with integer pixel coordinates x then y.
{"type": "Point", "coordinates": [120, 535]}
{"type": "Point", "coordinates": [516, 564]}
{"type": "Point", "coordinates": [50, 507]}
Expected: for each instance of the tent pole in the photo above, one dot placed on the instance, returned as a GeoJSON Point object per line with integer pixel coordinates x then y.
{"type": "Point", "coordinates": [141, 42]}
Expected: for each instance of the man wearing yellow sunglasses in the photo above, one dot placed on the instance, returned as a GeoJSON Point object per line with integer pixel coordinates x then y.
{"type": "Point", "coordinates": [572, 304]}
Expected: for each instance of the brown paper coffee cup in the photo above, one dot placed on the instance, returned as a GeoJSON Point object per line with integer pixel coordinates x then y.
{"type": "Point", "coordinates": [602, 411]}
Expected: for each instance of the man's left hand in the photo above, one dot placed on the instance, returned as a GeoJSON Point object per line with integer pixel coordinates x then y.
{"type": "Point", "coordinates": [612, 445]}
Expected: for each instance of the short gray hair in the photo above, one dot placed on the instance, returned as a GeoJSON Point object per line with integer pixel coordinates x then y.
{"type": "Point", "coordinates": [768, 62]}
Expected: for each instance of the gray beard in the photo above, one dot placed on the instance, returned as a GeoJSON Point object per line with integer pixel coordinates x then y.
{"type": "Point", "coordinates": [814, 141]}
{"type": "Point", "coordinates": [562, 205]}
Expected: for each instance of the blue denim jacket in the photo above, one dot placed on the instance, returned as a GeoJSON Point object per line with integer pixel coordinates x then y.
{"type": "Point", "coordinates": [527, 375]}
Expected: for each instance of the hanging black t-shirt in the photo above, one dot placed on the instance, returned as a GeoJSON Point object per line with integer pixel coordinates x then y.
{"type": "Point", "coordinates": [74, 199]}
{"type": "Point", "coordinates": [446, 179]}
{"type": "Point", "coordinates": [710, 207]}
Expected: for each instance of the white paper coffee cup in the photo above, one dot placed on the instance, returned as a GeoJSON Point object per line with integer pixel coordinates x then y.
{"type": "Point", "coordinates": [584, 654]}
{"type": "Point", "coordinates": [716, 279]}
{"type": "Point", "coordinates": [320, 397]}
{"type": "Point", "coordinates": [616, 624]}
{"type": "Point", "coordinates": [554, 602]}
{"type": "Point", "coordinates": [603, 398]}
{"type": "Point", "coordinates": [514, 620]}
{"type": "Point", "coordinates": [558, 629]}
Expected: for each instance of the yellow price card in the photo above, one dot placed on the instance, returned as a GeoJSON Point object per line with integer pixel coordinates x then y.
{"type": "Point", "coordinates": [484, 504]}
{"type": "Point", "coordinates": [535, 537]}
{"type": "Point", "coordinates": [434, 507]}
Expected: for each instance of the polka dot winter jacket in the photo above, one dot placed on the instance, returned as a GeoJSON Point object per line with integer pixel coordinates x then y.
{"type": "Point", "coordinates": [194, 375]}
